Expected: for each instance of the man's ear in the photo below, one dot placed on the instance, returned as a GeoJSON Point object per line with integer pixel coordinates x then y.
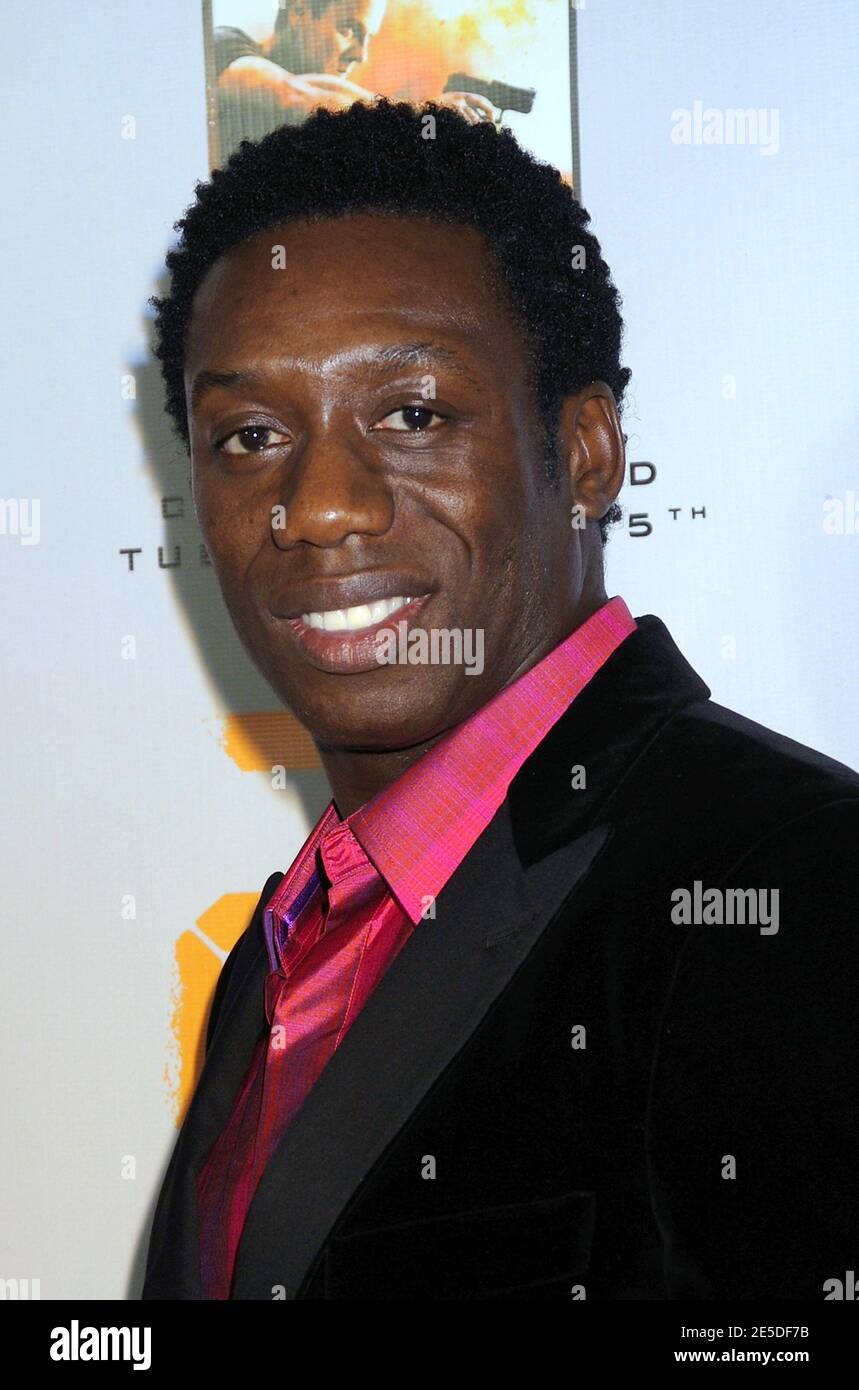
{"type": "Point", "coordinates": [592, 442]}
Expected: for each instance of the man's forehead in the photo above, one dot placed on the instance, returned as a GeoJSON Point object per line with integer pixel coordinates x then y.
{"type": "Point", "coordinates": [311, 240]}
{"type": "Point", "coordinates": [309, 276]}
{"type": "Point", "coordinates": [374, 358]}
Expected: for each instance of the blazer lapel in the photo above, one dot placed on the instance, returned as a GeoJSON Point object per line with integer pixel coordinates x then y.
{"type": "Point", "coordinates": [427, 1006]}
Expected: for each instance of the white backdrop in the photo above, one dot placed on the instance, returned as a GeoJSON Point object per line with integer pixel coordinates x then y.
{"type": "Point", "coordinates": [125, 816]}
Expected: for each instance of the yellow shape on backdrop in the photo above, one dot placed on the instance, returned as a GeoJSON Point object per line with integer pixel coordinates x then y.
{"type": "Point", "coordinates": [273, 738]}
{"type": "Point", "coordinates": [197, 968]}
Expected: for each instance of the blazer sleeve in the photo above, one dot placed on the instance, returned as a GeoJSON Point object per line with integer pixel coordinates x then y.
{"type": "Point", "coordinates": [752, 1133]}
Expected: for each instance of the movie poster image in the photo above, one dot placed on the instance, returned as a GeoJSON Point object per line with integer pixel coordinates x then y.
{"type": "Point", "coordinates": [512, 62]}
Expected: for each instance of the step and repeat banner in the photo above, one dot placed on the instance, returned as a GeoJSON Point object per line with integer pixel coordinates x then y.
{"type": "Point", "coordinates": [152, 781]}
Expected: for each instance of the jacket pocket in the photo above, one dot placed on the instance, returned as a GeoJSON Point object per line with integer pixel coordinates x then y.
{"type": "Point", "coordinates": [537, 1249]}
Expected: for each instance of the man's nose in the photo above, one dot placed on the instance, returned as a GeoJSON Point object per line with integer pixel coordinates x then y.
{"type": "Point", "coordinates": [328, 491]}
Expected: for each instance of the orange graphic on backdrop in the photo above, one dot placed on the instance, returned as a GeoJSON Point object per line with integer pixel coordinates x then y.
{"type": "Point", "coordinates": [260, 742]}
{"type": "Point", "coordinates": [200, 953]}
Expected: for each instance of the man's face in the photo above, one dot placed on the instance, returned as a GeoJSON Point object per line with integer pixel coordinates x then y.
{"type": "Point", "coordinates": [332, 42]}
{"type": "Point", "coordinates": [385, 424]}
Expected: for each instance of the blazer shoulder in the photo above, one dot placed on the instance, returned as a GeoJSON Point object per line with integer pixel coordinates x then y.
{"type": "Point", "coordinates": [754, 769]}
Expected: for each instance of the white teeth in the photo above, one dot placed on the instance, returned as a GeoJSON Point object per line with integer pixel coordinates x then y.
{"type": "Point", "coordinates": [353, 619]}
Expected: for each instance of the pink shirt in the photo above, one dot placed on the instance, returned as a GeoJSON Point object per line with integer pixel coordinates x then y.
{"type": "Point", "coordinates": [351, 900]}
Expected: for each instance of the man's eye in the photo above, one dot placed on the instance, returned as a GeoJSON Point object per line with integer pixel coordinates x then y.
{"type": "Point", "coordinates": [250, 440]}
{"type": "Point", "coordinates": [413, 418]}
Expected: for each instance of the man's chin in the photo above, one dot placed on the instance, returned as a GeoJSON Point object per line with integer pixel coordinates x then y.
{"type": "Point", "coordinates": [371, 729]}
{"type": "Point", "coordinates": [364, 740]}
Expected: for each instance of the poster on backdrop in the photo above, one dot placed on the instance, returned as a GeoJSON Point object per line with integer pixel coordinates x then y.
{"type": "Point", "coordinates": [512, 62]}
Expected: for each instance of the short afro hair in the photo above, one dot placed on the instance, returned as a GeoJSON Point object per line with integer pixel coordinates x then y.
{"type": "Point", "coordinates": [427, 161]}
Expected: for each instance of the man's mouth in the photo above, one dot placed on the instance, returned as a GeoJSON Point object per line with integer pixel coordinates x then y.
{"type": "Point", "coordinates": [356, 619]}
{"type": "Point", "coordinates": [346, 640]}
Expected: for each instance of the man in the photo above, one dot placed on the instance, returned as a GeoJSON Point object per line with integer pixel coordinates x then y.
{"type": "Point", "coordinates": [557, 1000]}
{"type": "Point", "coordinates": [303, 64]}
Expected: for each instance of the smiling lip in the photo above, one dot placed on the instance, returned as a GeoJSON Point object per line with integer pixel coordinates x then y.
{"type": "Point", "coordinates": [326, 594]}
{"type": "Point", "coordinates": [344, 651]}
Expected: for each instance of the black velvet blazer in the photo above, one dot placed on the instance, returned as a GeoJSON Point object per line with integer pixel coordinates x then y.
{"type": "Point", "coordinates": [558, 1090]}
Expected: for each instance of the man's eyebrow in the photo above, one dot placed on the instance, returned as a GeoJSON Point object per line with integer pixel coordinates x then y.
{"type": "Point", "coordinates": [397, 355]}
{"type": "Point", "coordinates": [423, 354]}
{"type": "Point", "coordinates": [210, 381]}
